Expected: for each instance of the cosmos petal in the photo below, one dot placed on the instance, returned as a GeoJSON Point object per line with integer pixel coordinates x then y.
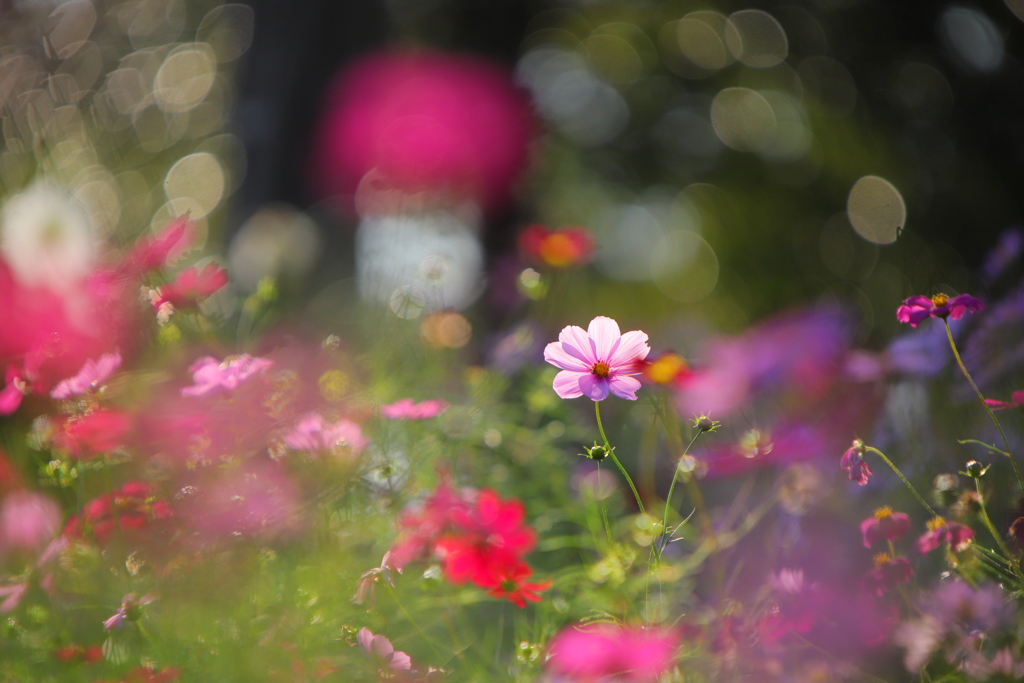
{"type": "Point", "coordinates": [567, 383]}
{"type": "Point", "coordinates": [624, 387]}
{"type": "Point", "coordinates": [576, 343]}
{"type": "Point", "coordinates": [604, 333]}
{"type": "Point", "coordinates": [556, 354]}
{"type": "Point", "coordinates": [594, 387]}
{"type": "Point", "coordinates": [632, 347]}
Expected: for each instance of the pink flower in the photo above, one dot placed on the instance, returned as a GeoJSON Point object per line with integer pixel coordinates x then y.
{"type": "Point", "coordinates": [150, 253]}
{"type": "Point", "coordinates": [93, 374]}
{"type": "Point", "coordinates": [597, 361]}
{"type": "Point", "coordinates": [915, 309]}
{"type": "Point", "coordinates": [888, 573]}
{"type": "Point", "coordinates": [1016, 401]}
{"type": "Point", "coordinates": [211, 377]}
{"type": "Point", "coordinates": [607, 652]}
{"type": "Point", "coordinates": [28, 522]}
{"type": "Point", "coordinates": [380, 649]}
{"type": "Point", "coordinates": [885, 525]}
{"type": "Point", "coordinates": [955, 535]}
{"type": "Point", "coordinates": [15, 390]}
{"type": "Point", "coordinates": [853, 463]}
{"type": "Point", "coordinates": [311, 433]}
{"type": "Point", "coordinates": [93, 433]}
{"type": "Point", "coordinates": [405, 409]}
{"type": "Point", "coordinates": [190, 287]}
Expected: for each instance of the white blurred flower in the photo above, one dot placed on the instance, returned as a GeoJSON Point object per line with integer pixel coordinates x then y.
{"type": "Point", "coordinates": [46, 239]}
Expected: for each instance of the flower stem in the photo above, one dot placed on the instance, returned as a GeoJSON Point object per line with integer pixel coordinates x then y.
{"type": "Point", "coordinates": [899, 474]}
{"type": "Point", "coordinates": [611, 453]}
{"type": "Point", "coordinates": [988, 522]}
{"type": "Point", "coordinates": [672, 488]}
{"type": "Point", "coordinates": [981, 397]}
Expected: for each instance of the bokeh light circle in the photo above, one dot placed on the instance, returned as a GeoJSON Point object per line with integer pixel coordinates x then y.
{"type": "Point", "coordinates": [743, 119]}
{"type": "Point", "coordinates": [756, 39]}
{"type": "Point", "coordinates": [198, 181]}
{"type": "Point", "coordinates": [876, 210]}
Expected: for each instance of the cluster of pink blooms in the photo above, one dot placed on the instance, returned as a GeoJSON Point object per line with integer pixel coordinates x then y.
{"type": "Point", "coordinates": [313, 434]}
{"type": "Point", "coordinates": [211, 376]}
{"type": "Point", "coordinates": [477, 536]}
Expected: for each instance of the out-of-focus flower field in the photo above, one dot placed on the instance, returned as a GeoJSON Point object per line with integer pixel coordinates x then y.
{"type": "Point", "coordinates": [684, 344]}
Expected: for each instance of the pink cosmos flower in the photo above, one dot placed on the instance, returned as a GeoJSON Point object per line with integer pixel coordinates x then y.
{"type": "Point", "coordinates": [211, 376]}
{"type": "Point", "coordinates": [93, 433]}
{"type": "Point", "coordinates": [380, 649]}
{"type": "Point", "coordinates": [888, 573]}
{"type": "Point", "coordinates": [190, 287]}
{"type": "Point", "coordinates": [93, 374]}
{"type": "Point", "coordinates": [405, 409]}
{"type": "Point", "coordinates": [150, 253]}
{"type": "Point", "coordinates": [28, 522]}
{"type": "Point", "coordinates": [915, 309]}
{"type": "Point", "coordinates": [853, 463]}
{"type": "Point", "coordinates": [1016, 401]}
{"type": "Point", "coordinates": [313, 434]}
{"type": "Point", "coordinates": [955, 535]}
{"type": "Point", "coordinates": [608, 652]}
{"type": "Point", "coordinates": [598, 360]}
{"type": "Point", "coordinates": [884, 525]}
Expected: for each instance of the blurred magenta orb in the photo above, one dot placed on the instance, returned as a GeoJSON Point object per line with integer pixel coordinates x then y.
{"type": "Point", "coordinates": [454, 126]}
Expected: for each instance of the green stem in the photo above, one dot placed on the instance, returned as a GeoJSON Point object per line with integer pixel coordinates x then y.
{"type": "Point", "coordinates": [604, 510]}
{"type": "Point", "coordinates": [611, 453]}
{"type": "Point", "coordinates": [672, 487]}
{"type": "Point", "coordinates": [988, 522]}
{"type": "Point", "coordinates": [981, 397]}
{"type": "Point", "coordinates": [899, 474]}
{"type": "Point", "coordinates": [412, 621]}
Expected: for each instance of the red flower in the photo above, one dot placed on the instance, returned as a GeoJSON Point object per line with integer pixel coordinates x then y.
{"type": "Point", "coordinates": [956, 536]}
{"type": "Point", "coordinates": [917, 308]}
{"type": "Point", "coordinates": [512, 585]}
{"type": "Point", "coordinates": [150, 253]}
{"type": "Point", "coordinates": [885, 525]}
{"type": "Point", "coordinates": [128, 511]}
{"type": "Point", "coordinates": [190, 287]}
{"type": "Point", "coordinates": [94, 433]}
{"type": "Point", "coordinates": [563, 248]}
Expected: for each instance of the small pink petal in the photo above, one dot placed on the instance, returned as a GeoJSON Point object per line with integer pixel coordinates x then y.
{"type": "Point", "coordinates": [624, 387]}
{"type": "Point", "coordinates": [567, 383]}
{"type": "Point", "coordinates": [594, 387]}
{"type": "Point", "coordinates": [576, 343]}
{"type": "Point", "coordinates": [556, 354]}
{"type": "Point", "coordinates": [632, 347]}
{"type": "Point", "coordinates": [604, 333]}
{"type": "Point", "coordinates": [10, 399]}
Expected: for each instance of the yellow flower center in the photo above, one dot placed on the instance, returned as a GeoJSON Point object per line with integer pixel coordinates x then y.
{"type": "Point", "coordinates": [936, 523]}
{"type": "Point", "coordinates": [601, 369]}
{"type": "Point", "coordinates": [665, 369]}
{"type": "Point", "coordinates": [558, 250]}
{"type": "Point", "coordinates": [882, 559]}
{"type": "Point", "coordinates": [940, 300]}
{"type": "Point", "coordinates": [884, 512]}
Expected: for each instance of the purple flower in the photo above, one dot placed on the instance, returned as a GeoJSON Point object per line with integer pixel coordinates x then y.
{"type": "Point", "coordinates": [597, 361]}
{"type": "Point", "coordinates": [313, 434]}
{"type": "Point", "coordinates": [853, 463]}
{"type": "Point", "coordinates": [382, 651]}
{"type": "Point", "coordinates": [93, 374]}
{"type": "Point", "coordinates": [917, 308]}
{"type": "Point", "coordinates": [211, 376]}
{"type": "Point", "coordinates": [884, 525]}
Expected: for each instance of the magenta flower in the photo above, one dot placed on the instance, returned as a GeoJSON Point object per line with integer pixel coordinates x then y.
{"type": "Point", "coordinates": [28, 522]}
{"type": "Point", "coordinates": [884, 525]}
{"type": "Point", "coordinates": [380, 649]}
{"type": "Point", "coordinates": [1016, 401]}
{"type": "Point", "coordinates": [93, 374]}
{"type": "Point", "coordinates": [608, 652]}
{"type": "Point", "coordinates": [313, 434]}
{"type": "Point", "coordinates": [956, 536]}
{"type": "Point", "coordinates": [853, 463]}
{"type": "Point", "coordinates": [598, 360]}
{"type": "Point", "coordinates": [405, 409]}
{"type": "Point", "coordinates": [917, 308]}
{"type": "Point", "coordinates": [888, 573]}
{"type": "Point", "coordinates": [212, 377]}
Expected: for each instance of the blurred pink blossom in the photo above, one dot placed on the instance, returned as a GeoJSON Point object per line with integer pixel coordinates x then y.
{"type": "Point", "coordinates": [380, 649]}
{"type": "Point", "coordinates": [28, 522]}
{"type": "Point", "coordinates": [191, 286]}
{"type": "Point", "coordinates": [424, 121]}
{"type": "Point", "coordinates": [313, 434]}
{"type": "Point", "coordinates": [884, 525]}
{"type": "Point", "coordinates": [597, 361]}
{"type": "Point", "coordinates": [608, 652]}
{"type": "Point", "coordinates": [92, 375]}
{"type": "Point", "coordinates": [157, 251]}
{"type": "Point", "coordinates": [212, 377]}
{"type": "Point", "coordinates": [406, 409]}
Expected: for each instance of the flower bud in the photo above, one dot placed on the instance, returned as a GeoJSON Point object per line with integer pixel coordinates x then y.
{"type": "Point", "coordinates": [975, 469]}
{"type": "Point", "coordinates": [597, 452]}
